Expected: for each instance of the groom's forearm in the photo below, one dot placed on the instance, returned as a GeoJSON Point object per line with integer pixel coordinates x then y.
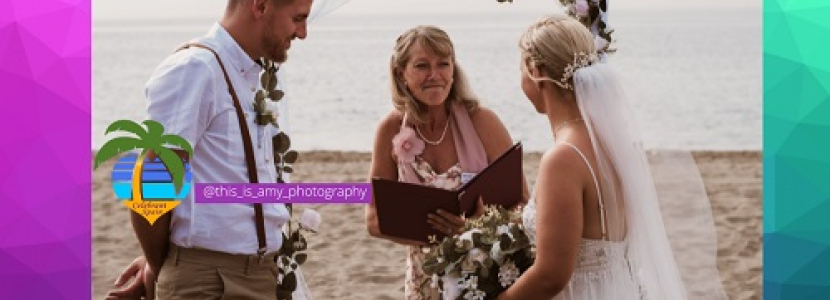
{"type": "Point", "coordinates": [154, 239]}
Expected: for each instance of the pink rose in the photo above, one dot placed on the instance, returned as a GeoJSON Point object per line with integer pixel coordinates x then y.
{"type": "Point", "coordinates": [581, 8]}
{"type": "Point", "coordinates": [406, 145]}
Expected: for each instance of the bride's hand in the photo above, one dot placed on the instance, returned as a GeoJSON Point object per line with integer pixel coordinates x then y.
{"type": "Point", "coordinates": [445, 222]}
{"type": "Point", "coordinates": [480, 208]}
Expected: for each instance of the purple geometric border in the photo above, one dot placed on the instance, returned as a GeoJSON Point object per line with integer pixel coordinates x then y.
{"type": "Point", "coordinates": [45, 163]}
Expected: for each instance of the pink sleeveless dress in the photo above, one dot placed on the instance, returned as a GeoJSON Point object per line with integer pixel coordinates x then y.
{"type": "Point", "coordinates": [472, 159]}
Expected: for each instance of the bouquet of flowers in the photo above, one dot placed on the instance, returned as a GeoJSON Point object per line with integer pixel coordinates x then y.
{"type": "Point", "coordinates": [292, 254]}
{"type": "Point", "coordinates": [484, 260]}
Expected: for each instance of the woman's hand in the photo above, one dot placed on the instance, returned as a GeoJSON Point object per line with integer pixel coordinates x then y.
{"type": "Point", "coordinates": [480, 208]}
{"type": "Point", "coordinates": [445, 222]}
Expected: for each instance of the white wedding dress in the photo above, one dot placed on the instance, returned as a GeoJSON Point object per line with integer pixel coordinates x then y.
{"type": "Point", "coordinates": [602, 271]}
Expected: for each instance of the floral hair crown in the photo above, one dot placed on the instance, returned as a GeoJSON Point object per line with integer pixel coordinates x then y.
{"type": "Point", "coordinates": [594, 15]}
{"type": "Point", "coordinates": [580, 60]}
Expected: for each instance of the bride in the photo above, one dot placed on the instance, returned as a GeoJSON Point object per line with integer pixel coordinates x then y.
{"type": "Point", "coordinates": [594, 217]}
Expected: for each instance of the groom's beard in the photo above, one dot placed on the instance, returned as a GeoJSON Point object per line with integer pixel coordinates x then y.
{"type": "Point", "coordinates": [276, 48]}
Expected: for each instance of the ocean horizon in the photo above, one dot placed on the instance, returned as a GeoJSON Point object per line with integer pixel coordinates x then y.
{"type": "Point", "coordinates": [693, 78]}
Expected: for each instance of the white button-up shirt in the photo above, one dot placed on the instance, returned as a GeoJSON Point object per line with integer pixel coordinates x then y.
{"type": "Point", "coordinates": [188, 94]}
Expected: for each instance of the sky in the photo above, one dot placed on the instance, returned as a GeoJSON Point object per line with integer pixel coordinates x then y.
{"type": "Point", "coordinates": [190, 9]}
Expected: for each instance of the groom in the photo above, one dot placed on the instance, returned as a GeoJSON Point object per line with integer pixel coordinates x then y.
{"type": "Point", "coordinates": [213, 251]}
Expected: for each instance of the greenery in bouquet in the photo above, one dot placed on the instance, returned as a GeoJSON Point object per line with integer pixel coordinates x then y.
{"type": "Point", "coordinates": [293, 252]}
{"type": "Point", "coordinates": [484, 260]}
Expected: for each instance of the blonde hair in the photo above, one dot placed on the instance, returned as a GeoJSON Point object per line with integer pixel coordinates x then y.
{"type": "Point", "coordinates": [555, 45]}
{"type": "Point", "coordinates": [436, 41]}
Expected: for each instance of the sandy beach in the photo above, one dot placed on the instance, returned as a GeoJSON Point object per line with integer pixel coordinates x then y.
{"type": "Point", "coordinates": [346, 263]}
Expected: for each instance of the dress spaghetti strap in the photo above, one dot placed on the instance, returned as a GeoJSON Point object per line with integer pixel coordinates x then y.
{"type": "Point", "coordinates": [599, 193]}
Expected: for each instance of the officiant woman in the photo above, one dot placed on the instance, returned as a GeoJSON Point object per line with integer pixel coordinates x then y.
{"type": "Point", "coordinates": [437, 135]}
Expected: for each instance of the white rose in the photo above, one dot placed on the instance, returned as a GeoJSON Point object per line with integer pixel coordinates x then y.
{"type": "Point", "coordinates": [504, 228]}
{"type": "Point", "coordinates": [310, 220]}
{"type": "Point", "coordinates": [581, 8]}
{"type": "Point", "coordinates": [468, 235]}
{"type": "Point", "coordinates": [496, 253]}
{"type": "Point", "coordinates": [476, 255]}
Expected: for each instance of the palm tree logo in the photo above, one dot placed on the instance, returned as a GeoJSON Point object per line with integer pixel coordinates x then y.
{"type": "Point", "coordinates": [173, 166]}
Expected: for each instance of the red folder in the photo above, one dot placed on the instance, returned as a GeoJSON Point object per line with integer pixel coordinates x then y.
{"type": "Point", "coordinates": [402, 208]}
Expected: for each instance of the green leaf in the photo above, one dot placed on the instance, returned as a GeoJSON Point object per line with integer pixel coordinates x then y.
{"type": "Point", "coordinates": [284, 143]}
{"type": "Point", "coordinates": [276, 144]}
{"type": "Point", "coordinates": [272, 83]}
{"type": "Point", "coordinates": [177, 141]}
{"type": "Point", "coordinates": [260, 107]}
{"type": "Point", "coordinates": [291, 157]}
{"type": "Point", "coordinates": [285, 295]}
{"type": "Point", "coordinates": [485, 272]}
{"type": "Point", "coordinates": [265, 78]}
{"type": "Point", "coordinates": [116, 146]}
{"type": "Point", "coordinates": [128, 126]}
{"type": "Point", "coordinates": [476, 237]}
{"type": "Point", "coordinates": [174, 166]}
{"type": "Point", "coordinates": [295, 236]}
{"type": "Point", "coordinates": [288, 169]}
{"type": "Point", "coordinates": [430, 269]}
{"type": "Point", "coordinates": [154, 129]}
{"type": "Point", "coordinates": [289, 282]}
{"type": "Point", "coordinates": [260, 96]}
{"type": "Point", "coordinates": [276, 95]}
{"type": "Point", "coordinates": [265, 119]}
{"type": "Point", "coordinates": [505, 241]}
{"type": "Point", "coordinates": [488, 263]}
{"type": "Point", "coordinates": [301, 258]}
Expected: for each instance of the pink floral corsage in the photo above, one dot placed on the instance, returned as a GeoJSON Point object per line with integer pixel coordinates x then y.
{"type": "Point", "coordinates": [406, 145]}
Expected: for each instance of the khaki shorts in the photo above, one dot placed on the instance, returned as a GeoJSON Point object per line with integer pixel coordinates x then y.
{"type": "Point", "coordinates": [190, 273]}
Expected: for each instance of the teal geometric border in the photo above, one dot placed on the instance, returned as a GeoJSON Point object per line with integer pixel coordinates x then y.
{"type": "Point", "coordinates": [796, 149]}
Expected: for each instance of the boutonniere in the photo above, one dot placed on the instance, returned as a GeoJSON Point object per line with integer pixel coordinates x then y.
{"type": "Point", "coordinates": [268, 78]}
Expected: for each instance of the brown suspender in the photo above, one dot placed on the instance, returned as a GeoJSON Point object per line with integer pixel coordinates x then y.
{"type": "Point", "coordinates": [248, 145]}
